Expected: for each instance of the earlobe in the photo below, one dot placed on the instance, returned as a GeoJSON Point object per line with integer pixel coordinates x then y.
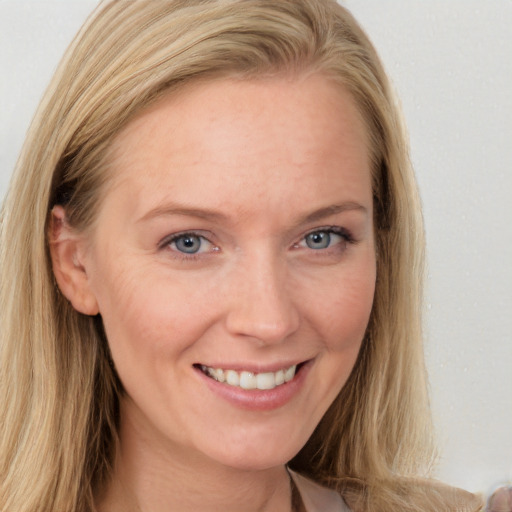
{"type": "Point", "coordinates": [66, 250]}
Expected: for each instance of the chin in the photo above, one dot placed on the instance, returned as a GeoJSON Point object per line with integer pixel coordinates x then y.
{"type": "Point", "coordinates": [255, 457]}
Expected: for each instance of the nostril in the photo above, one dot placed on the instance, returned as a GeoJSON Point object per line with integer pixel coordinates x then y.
{"type": "Point", "coordinates": [267, 324]}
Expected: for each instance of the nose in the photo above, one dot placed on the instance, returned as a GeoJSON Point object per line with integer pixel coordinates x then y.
{"type": "Point", "coordinates": [261, 305]}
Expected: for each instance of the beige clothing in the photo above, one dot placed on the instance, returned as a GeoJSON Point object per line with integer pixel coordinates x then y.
{"type": "Point", "coordinates": [317, 498]}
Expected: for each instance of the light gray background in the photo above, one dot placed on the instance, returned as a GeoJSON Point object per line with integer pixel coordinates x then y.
{"type": "Point", "coordinates": [451, 63]}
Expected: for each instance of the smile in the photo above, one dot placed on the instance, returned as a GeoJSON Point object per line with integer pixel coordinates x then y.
{"type": "Point", "coordinates": [250, 380]}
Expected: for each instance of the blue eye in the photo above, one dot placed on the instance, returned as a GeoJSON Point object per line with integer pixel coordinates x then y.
{"type": "Point", "coordinates": [326, 238]}
{"type": "Point", "coordinates": [187, 243]}
{"type": "Point", "coordinates": [318, 240]}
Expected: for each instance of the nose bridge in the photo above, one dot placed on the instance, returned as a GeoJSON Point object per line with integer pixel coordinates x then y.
{"type": "Point", "coordinates": [262, 307]}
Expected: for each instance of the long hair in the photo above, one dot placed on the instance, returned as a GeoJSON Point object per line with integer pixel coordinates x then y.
{"type": "Point", "coordinates": [60, 394]}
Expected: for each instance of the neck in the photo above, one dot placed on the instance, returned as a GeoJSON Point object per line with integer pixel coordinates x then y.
{"type": "Point", "coordinates": [154, 475]}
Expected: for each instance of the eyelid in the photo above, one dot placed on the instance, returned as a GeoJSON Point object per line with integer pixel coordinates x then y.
{"type": "Point", "coordinates": [169, 239]}
{"type": "Point", "coordinates": [337, 230]}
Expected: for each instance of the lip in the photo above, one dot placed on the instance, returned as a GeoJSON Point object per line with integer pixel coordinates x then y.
{"type": "Point", "coordinates": [257, 399]}
{"type": "Point", "coordinates": [254, 367]}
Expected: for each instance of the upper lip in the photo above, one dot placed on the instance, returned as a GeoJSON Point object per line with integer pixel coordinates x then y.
{"type": "Point", "coordinates": [254, 367]}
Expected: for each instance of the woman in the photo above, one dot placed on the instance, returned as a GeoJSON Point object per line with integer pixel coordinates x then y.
{"type": "Point", "coordinates": [211, 259]}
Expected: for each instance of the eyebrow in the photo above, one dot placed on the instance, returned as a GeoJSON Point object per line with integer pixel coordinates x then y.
{"type": "Point", "coordinates": [334, 209]}
{"type": "Point", "coordinates": [168, 210]}
{"type": "Point", "coordinates": [214, 215]}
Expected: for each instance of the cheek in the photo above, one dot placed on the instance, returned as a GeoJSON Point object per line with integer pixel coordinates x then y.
{"type": "Point", "coordinates": [146, 313]}
{"type": "Point", "coordinates": [342, 308]}
{"type": "Point", "coordinates": [348, 313]}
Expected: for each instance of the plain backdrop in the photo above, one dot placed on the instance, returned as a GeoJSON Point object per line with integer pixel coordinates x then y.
{"type": "Point", "coordinates": [451, 63]}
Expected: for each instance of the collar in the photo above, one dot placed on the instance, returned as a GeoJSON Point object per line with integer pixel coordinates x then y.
{"type": "Point", "coordinates": [315, 497]}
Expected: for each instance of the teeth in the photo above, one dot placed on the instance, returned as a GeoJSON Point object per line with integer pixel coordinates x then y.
{"type": "Point", "coordinates": [266, 380]}
{"type": "Point", "coordinates": [215, 373]}
{"type": "Point", "coordinates": [279, 377]}
{"type": "Point", "coordinates": [219, 375]}
{"type": "Point", "coordinates": [232, 377]}
{"type": "Point", "coordinates": [289, 374]}
{"type": "Point", "coordinates": [249, 380]}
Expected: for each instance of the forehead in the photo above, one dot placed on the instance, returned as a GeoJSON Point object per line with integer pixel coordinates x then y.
{"type": "Point", "coordinates": [265, 135]}
{"type": "Point", "coordinates": [225, 96]}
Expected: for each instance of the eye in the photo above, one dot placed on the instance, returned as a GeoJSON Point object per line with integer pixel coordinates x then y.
{"type": "Point", "coordinates": [318, 240]}
{"type": "Point", "coordinates": [325, 239]}
{"type": "Point", "coordinates": [189, 244]}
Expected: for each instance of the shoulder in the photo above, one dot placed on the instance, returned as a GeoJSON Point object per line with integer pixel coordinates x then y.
{"type": "Point", "coordinates": [404, 494]}
{"type": "Point", "coordinates": [437, 494]}
{"type": "Point", "coordinates": [317, 498]}
{"type": "Point", "coordinates": [411, 495]}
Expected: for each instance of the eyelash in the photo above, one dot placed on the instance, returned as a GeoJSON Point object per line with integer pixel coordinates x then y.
{"type": "Point", "coordinates": [329, 230]}
{"type": "Point", "coordinates": [176, 253]}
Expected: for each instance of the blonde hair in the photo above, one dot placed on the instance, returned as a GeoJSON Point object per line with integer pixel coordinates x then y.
{"type": "Point", "coordinates": [59, 407]}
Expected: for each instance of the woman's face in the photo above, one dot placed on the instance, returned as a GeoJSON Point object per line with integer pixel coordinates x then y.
{"type": "Point", "coordinates": [234, 249]}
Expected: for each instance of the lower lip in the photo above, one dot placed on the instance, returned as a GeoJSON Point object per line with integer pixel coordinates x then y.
{"type": "Point", "coordinates": [257, 399]}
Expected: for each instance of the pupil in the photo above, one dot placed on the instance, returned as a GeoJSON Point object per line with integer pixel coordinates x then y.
{"type": "Point", "coordinates": [189, 244]}
{"type": "Point", "coordinates": [318, 240]}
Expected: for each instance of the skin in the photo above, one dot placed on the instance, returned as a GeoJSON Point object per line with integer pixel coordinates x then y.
{"type": "Point", "coordinates": [252, 168]}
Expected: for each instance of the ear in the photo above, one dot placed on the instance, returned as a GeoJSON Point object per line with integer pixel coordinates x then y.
{"type": "Point", "coordinates": [67, 249]}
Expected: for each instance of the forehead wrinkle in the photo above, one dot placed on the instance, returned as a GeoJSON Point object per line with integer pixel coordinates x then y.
{"type": "Point", "coordinates": [136, 167]}
{"type": "Point", "coordinates": [334, 209]}
{"type": "Point", "coordinates": [213, 215]}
